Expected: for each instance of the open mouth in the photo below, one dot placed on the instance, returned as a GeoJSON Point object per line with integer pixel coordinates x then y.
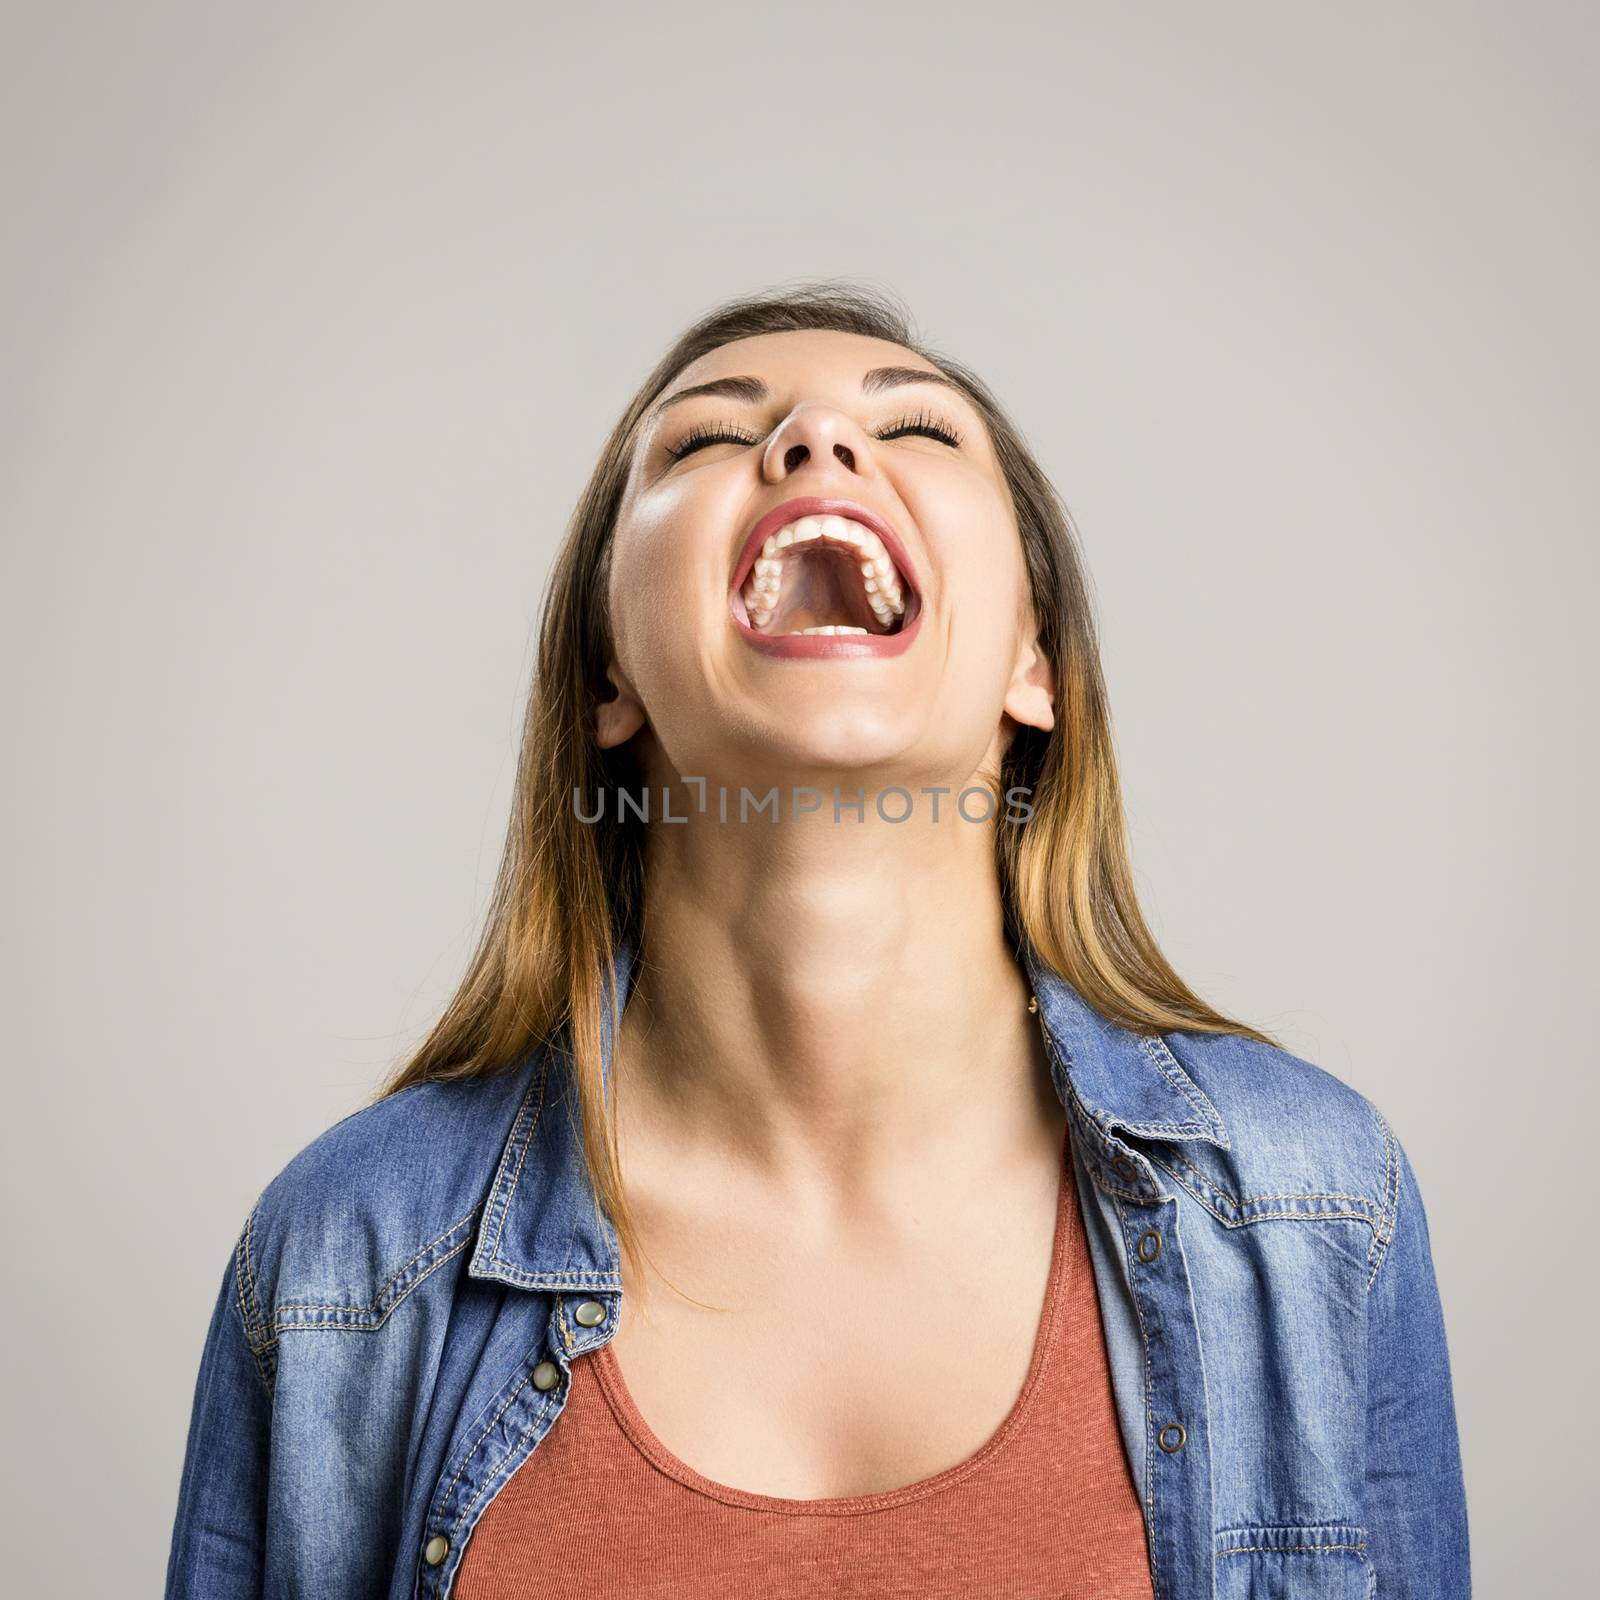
{"type": "Point", "coordinates": [824, 574]}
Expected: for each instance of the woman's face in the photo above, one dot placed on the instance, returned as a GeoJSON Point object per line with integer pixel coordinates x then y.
{"type": "Point", "coordinates": [713, 662]}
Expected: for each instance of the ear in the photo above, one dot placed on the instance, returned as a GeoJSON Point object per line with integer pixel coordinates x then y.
{"type": "Point", "coordinates": [1030, 696]}
{"type": "Point", "coordinates": [617, 720]}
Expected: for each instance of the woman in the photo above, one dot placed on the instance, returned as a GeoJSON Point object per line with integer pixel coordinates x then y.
{"type": "Point", "coordinates": [821, 1184]}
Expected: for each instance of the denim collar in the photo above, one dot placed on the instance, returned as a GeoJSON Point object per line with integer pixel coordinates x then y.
{"type": "Point", "coordinates": [542, 1227]}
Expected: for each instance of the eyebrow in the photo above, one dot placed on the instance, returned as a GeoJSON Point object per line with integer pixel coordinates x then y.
{"type": "Point", "coordinates": [752, 390]}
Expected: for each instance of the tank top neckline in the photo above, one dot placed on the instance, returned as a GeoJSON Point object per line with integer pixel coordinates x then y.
{"type": "Point", "coordinates": [1064, 1257]}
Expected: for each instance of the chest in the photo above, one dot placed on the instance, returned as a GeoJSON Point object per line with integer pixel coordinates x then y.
{"type": "Point", "coordinates": [854, 1369]}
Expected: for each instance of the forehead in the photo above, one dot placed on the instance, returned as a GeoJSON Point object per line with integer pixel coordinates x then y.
{"type": "Point", "coordinates": [815, 352]}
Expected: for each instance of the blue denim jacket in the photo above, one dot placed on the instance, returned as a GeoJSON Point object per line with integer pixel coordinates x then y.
{"type": "Point", "coordinates": [395, 1329]}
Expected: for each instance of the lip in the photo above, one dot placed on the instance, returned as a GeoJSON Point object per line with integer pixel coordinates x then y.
{"type": "Point", "coordinates": [822, 645]}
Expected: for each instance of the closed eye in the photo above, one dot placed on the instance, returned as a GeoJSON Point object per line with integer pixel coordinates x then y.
{"type": "Point", "coordinates": [924, 423]}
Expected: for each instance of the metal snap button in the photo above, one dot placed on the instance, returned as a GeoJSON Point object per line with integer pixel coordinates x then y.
{"type": "Point", "coordinates": [436, 1549]}
{"type": "Point", "coordinates": [1149, 1245]}
{"type": "Point", "coordinates": [1171, 1437]}
{"type": "Point", "coordinates": [546, 1375]}
{"type": "Point", "coordinates": [1124, 1168]}
{"type": "Point", "coordinates": [590, 1314]}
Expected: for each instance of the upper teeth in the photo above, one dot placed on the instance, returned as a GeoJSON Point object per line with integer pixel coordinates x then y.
{"type": "Point", "coordinates": [878, 575]}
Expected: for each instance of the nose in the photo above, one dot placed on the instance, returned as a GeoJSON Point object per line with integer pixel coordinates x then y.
{"type": "Point", "coordinates": [821, 435]}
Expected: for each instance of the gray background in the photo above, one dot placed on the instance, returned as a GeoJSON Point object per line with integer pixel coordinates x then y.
{"type": "Point", "coordinates": [312, 320]}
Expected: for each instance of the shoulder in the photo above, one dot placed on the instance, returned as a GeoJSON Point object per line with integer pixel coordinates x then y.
{"type": "Point", "coordinates": [376, 1202]}
{"type": "Point", "coordinates": [1300, 1141]}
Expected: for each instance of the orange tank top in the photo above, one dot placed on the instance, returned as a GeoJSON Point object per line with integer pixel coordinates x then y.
{"type": "Point", "coordinates": [1047, 1508]}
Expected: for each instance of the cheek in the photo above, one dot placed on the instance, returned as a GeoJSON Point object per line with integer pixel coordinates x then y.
{"type": "Point", "coordinates": [986, 599]}
{"type": "Point", "coordinates": [659, 577]}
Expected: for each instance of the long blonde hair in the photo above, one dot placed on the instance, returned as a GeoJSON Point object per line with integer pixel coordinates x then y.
{"type": "Point", "coordinates": [567, 892]}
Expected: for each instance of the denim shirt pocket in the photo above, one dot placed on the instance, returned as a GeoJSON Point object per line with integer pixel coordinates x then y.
{"type": "Point", "coordinates": [1321, 1561]}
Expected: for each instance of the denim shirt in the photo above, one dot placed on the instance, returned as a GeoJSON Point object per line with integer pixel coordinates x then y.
{"type": "Point", "coordinates": [396, 1327]}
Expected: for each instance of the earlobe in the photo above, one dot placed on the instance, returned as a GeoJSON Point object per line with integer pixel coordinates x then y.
{"type": "Point", "coordinates": [617, 720]}
{"type": "Point", "coordinates": [1030, 699]}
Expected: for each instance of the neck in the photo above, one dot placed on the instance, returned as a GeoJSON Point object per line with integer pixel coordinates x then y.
{"type": "Point", "coordinates": [831, 1005]}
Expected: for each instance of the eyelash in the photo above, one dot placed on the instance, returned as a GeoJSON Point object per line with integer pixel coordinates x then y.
{"type": "Point", "coordinates": [725, 432]}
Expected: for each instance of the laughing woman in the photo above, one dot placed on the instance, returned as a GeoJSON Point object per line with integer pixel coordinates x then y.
{"type": "Point", "coordinates": [821, 1183]}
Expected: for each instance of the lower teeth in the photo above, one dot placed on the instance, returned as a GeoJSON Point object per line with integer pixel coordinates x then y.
{"type": "Point", "coordinates": [832, 628]}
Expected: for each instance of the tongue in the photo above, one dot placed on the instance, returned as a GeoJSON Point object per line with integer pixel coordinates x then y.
{"type": "Point", "coordinates": [819, 587]}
